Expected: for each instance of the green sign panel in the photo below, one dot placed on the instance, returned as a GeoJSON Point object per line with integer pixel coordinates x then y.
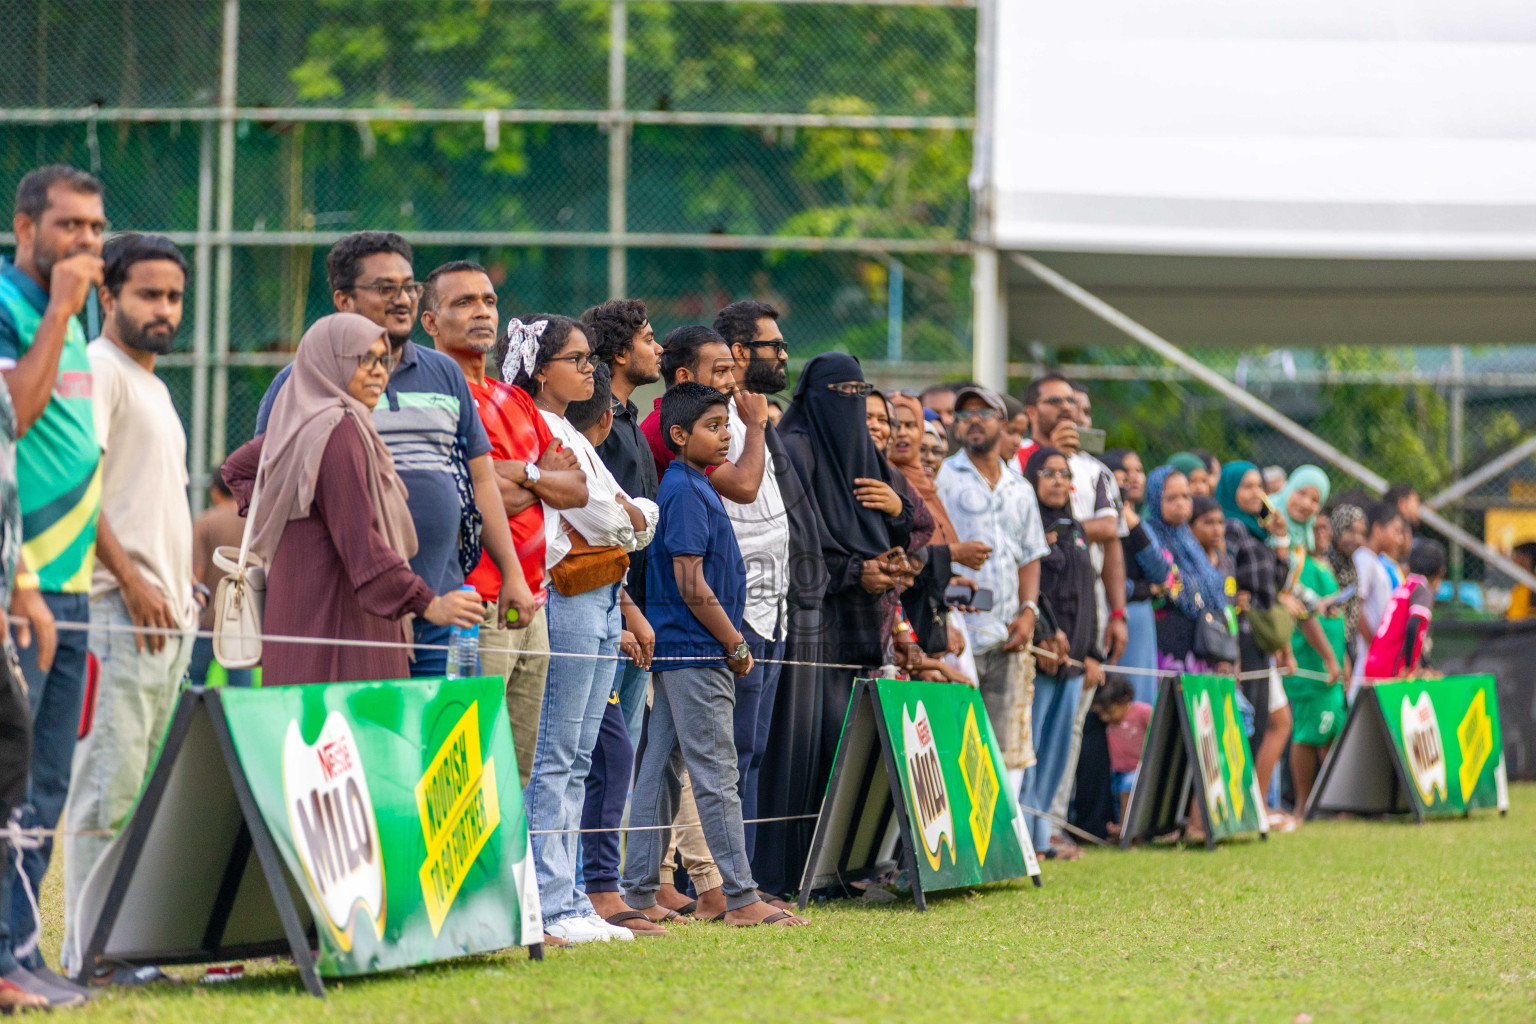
{"type": "Point", "coordinates": [1430, 747]}
{"type": "Point", "coordinates": [1223, 759]}
{"type": "Point", "coordinates": [397, 808]}
{"type": "Point", "coordinates": [1195, 749]}
{"type": "Point", "coordinates": [918, 762]}
{"type": "Point", "coordinates": [953, 783]}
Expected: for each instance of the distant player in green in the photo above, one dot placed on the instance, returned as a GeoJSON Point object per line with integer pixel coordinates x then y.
{"type": "Point", "coordinates": [1317, 705]}
{"type": "Point", "coordinates": [59, 223]}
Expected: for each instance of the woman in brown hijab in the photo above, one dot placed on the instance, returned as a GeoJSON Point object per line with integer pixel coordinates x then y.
{"type": "Point", "coordinates": [330, 518]}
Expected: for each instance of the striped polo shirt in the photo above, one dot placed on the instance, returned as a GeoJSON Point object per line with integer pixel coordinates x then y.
{"type": "Point", "coordinates": [58, 461]}
{"type": "Point", "coordinates": [426, 410]}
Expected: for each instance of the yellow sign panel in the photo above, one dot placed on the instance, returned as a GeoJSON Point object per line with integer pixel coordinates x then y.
{"type": "Point", "coordinates": [456, 801]}
{"type": "Point", "coordinates": [1237, 759]}
{"type": "Point", "coordinates": [981, 784]}
{"type": "Point", "coordinates": [1475, 734]}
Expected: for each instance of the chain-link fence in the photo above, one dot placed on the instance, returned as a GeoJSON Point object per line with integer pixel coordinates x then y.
{"type": "Point", "coordinates": [687, 153]}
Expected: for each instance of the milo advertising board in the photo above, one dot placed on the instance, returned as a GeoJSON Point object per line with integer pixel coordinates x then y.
{"type": "Point", "coordinates": [397, 809]}
{"type": "Point", "coordinates": [1224, 762]}
{"type": "Point", "coordinates": [1429, 747]}
{"type": "Point", "coordinates": [918, 762]}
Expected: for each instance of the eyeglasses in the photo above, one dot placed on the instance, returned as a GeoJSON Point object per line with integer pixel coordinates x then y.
{"type": "Point", "coordinates": [1058, 401]}
{"type": "Point", "coordinates": [367, 361]}
{"type": "Point", "coordinates": [779, 348]}
{"type": "Point", "coordinates": [852, 388]}
{"type": "Point", "coordinates": [966, 415]}
{"type": "Point", "coordinates": [580, 360]}
{"type": "Point", "coordinates": [904, 393]}
{"type": "Point", "coordinates": [387, 290]}
{"type": "Point", "coordinates": [1055, 474]}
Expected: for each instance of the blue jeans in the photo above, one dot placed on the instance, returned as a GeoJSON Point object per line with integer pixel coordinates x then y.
{"type": "Point", "coordinates": [1052, 716]}
{"type": "Point", "coordinates": [55, 703]}
{"type": "Point", "coordinates": [430, 662]}
{"type": "Point", "coordinates": [755, 692]}
{"type": "Point", "coordinates": [202, 661]}
{"type": "Point", "coordinates": [575, 699]}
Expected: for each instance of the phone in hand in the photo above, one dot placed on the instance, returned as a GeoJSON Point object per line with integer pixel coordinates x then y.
{"type": "Point", "coordinates": [960, 595]}
{"type": "Point", "coordinates": [1090, 440]}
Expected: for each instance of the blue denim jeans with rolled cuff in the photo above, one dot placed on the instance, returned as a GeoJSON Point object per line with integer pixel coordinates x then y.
{"type": "Point", "coordinates": [1052, 716]}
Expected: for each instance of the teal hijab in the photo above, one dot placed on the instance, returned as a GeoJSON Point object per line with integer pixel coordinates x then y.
{"type": "Point", "coordinates": [1226, 492]}
{"type": "Point", "coordinates": [1186, 463]}
{"type": "Point", "coordinates": [1304, 476]}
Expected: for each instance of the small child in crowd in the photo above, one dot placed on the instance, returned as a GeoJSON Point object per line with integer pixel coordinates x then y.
{"type": "Point", "coordinates": [1402, 639]}
{"type": "Point", "coordinates": [696, 587]}
{"type": "Point", "coordinates": [1125, 725]}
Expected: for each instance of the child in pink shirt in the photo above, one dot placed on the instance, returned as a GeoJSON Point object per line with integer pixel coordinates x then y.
{"type": "Point", "coordinates": [1125, 725]}
{"type": "Point", "coordinates": [1402, 638]}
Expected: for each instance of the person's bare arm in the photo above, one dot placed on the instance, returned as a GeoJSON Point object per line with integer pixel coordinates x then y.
{"type": "Point", "coordinates": [1116, 634]}
{"type": "Point", "coordinates": [31, 380]}
{"type": "Point", "coordinates": [1312, 631]}
{"type": "Point", "coordinates": [1102, 530]}
{"type": "Point", "coordinates": [1022, 630]}
{"type": "Point", "coordinates": [147, 606]}
{"type": "Point", "coordinates": [562, 484]}
{"type": "Point", "coordinates": [688, 571]}
{"type": "Point", "coordinates": [738, 481]}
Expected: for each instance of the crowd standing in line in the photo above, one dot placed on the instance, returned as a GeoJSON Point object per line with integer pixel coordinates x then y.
{"type": "Point", "coordinates": [677, 603]}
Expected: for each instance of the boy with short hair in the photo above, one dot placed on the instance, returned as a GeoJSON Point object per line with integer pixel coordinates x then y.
{"type": "Point", "coordinates": [695, 599]}
{"type": "Point", "coordinates": [1403, 636]}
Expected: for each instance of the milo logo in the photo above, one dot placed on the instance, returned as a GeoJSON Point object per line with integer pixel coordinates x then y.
{"type": "Point", "coordinates": [925, 786]}
{"type": "Point", "coordinates": [1210, 758]}
{"type": "Point", "coordinates": [330, 815]}
{"type": "Point", "coordinates": [1425, 749]}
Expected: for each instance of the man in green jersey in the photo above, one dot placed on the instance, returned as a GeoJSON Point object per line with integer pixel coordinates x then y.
{"type": "Point", "coordinates": [59, 224]}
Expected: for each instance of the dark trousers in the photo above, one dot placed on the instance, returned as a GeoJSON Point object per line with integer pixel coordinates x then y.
{"type": "Point", "coordinates": [54, 702]}
{"type": "Point", "coordinates": [15, 756]}
{"type": "Point", "coordinates": [755, 693]}
{"type": "Point", "coordinates": [607, 786]}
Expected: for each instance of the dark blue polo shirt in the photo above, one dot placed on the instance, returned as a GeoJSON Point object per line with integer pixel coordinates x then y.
{"type": "Point", "coordinates": [693, 522]}
{"type": "Point", "coordinates": [426, 408]}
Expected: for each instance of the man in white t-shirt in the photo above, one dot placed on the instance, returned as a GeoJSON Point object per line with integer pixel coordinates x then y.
{"type": "Point", "coordinates": [759, 356]}
{"type": "Point", "coordinates": [144, 561]}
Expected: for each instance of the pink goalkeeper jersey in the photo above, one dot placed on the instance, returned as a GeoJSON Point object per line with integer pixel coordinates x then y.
{"type": "Point", "coordinates": [1399, 644]}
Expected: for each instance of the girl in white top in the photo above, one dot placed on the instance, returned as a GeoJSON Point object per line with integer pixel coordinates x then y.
{"type": "Point", "coordinates": [550, 358]}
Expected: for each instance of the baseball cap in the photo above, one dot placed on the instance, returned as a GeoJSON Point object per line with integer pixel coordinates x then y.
{"type": "Point", "coordinates": [989, 397]}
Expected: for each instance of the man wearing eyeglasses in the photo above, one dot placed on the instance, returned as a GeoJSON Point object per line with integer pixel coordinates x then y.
{"type": "Point", "coordinates": [989, 502]}
{"type": "Point", "coordinates": [428, 420]}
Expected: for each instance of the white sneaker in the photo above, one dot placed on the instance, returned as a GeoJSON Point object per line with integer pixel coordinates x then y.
{"type": "Point", "coordinates": [616, 932]}
{"type": "Point", "coordinates": [577, 930]}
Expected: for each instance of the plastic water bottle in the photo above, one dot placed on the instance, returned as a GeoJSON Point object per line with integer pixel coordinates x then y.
{"type": "Point", "coordinates": [464, 649]}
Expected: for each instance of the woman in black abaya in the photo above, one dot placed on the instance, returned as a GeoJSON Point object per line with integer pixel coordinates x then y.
{"type": "Point", "coordinates": [863, 518]}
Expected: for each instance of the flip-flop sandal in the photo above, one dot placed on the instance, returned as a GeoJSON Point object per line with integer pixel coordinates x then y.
{"type": "Point", "coordinates": [617, 920]}
{"type": "Point", "coordinates": [774, 918]}
{"type": "Point", "coordinates": [687, 908]}
{"type": "Point", "coordinates": [673, 917]}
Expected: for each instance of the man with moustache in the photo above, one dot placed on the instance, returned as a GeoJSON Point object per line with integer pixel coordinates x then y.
{"type": "Point", "coordinates": [428, 421]}
{"type": "Point", "coordinates": [60, 222]}
{"type": "Point", "coordinates": [146, 559]}
{"type": "Point", "coordinates": [991, 503]}
{"type": "Point", "coordinates": [458, 312]}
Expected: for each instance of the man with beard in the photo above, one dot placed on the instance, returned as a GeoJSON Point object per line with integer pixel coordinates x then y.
{"type": "Point", "coordinates": [146, 561]}
{"type": "Point", "coordinates": [458, 312]}
{"type": "Point", "coordinates": [762, 533]}
{"type": "Point", "coordinates": [427, 419]}
{"type": "Point", "coordinates": [991, 503]}
{"type": "Point", "coordinates": [59, 224]}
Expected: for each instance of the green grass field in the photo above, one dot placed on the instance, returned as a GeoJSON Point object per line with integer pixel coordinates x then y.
{"type": "Point", "coordinates": [1341, 921]}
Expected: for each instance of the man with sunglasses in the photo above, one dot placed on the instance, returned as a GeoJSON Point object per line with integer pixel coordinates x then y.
{"type": "Point", "coordinates": [989, 502]}
{"type": "Point", "coordinates": [427, 418]}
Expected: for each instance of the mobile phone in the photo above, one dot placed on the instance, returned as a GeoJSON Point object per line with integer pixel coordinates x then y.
{"type": "Point", "coordinates": [1090, 440]}
{"type": "Point", "coordinates": [960, 595]}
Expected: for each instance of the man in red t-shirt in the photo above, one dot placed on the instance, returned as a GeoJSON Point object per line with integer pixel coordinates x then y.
{"type": "Point", "coordinates": [693, 353]}
{"type": "Point", "coordinates": [532, 469]}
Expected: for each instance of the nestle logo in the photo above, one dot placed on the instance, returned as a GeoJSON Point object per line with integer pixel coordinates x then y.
{"type": "Point", "coordinates": [335, 758]}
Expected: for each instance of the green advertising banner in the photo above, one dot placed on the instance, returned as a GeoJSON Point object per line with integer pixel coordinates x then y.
{"type": "Point", "coordinates": [953, 782]}
{"type": "Point", "coordinates": [397, 805]}
{"type": "Point", "coordinates": [1429, 747]}
{"type": "Point", "coordinates": [1233, 801]}
{"type": "Point", "coordinates": [918, 769]}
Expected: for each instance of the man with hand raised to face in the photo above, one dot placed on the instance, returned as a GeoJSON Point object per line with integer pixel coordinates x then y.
{"type": "Point", "coordinates": [532, 471]}
{"type": "Point", "coordinates": [427, 418]}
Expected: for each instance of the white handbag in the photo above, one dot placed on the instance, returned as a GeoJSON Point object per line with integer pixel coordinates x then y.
{"type": "Point", "coordinates": [241, 598]}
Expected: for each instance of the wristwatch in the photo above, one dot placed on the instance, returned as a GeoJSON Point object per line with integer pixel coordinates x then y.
{"type": "Point", "coordinates": [530, 475]}
{"type": "Point", "coordinates": [741, 653]}
{"type": "Point", "coordinates": [1029, 606]}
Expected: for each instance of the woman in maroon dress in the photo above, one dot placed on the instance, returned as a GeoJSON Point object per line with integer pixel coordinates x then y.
{"type": "Point", "coordinates": [330, 518]}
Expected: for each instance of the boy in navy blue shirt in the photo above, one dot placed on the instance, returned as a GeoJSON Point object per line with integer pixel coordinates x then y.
{"type": "Point", "coordinates": [695, 585]}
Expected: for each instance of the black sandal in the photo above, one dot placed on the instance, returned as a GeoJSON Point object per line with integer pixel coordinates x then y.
{"type": "Point", "coordinates": [617, 920]}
